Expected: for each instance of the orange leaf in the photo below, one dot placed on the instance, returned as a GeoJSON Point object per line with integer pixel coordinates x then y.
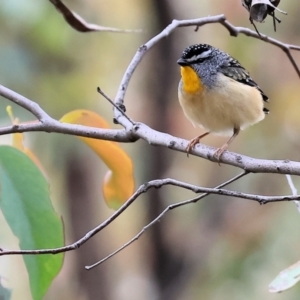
{"type": "Point", "coordinates": [118, 183]}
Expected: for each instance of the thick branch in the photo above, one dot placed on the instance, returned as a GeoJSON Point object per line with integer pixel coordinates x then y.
{"type": "Point", "coordinates": [140, 130]}
{"type": "Point", "coordinates": [250, 164]}
{"type": "Point", "coordinates": [47, 124]}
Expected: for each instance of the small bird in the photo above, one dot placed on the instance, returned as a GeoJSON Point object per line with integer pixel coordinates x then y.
{"type": "Point", "coordinates": [218, 94]}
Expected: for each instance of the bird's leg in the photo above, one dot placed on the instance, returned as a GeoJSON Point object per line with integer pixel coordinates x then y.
{"type": "Point", "coordinates": [274, 20]}
{"type": "Point", "coordinates": [220, 151]}
{"type": "Point", "coordinates": [194, 142]}
{"type": "Point", "coordinates": [252, 22]}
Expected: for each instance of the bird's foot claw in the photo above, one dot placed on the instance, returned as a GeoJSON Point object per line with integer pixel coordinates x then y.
{"type": "Point", "coordinates": [217, 155]}
{"type": "Point", "coordinates": [191, 145]}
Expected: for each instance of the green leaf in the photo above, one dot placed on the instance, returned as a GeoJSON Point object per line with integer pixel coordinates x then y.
{"type": "Point", "coordinates": [286, 279]}
{"type": "Point", "coordinates": [26, 205]}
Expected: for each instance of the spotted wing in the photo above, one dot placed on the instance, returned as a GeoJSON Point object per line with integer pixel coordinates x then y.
{"type": "Point", "coordinates": [233, 69]}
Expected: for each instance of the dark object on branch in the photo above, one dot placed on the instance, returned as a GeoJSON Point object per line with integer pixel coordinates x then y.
{"type": "Point", "coordinates": [260, 9]}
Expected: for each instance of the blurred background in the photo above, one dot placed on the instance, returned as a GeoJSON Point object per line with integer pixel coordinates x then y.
{"type": "Point", "coordinates": [219, 248]}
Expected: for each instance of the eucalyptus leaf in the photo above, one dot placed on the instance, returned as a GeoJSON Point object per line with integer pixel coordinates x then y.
{"type": "Point", "coordinates": [27, 208]}
{"type": "Point", "coordinates": [286, 279]}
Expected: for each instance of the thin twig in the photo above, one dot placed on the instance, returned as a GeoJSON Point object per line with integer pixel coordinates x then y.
{"type": "Point", "coordinates": [293, 189]}
{"type": "Point", "coordinates": [79, 24]}
{"type": "Point", "coordinates": [235, 31]}
{"type": "Point", "coordinates": [196, 199]}
{"type": "Point", "coordinates": [143, 189]}
{"type": "Point", "coordinates": [168, 208]}
{"type": "Point", "coordinates": [121, 110]}
{"type": "Point", "coordinates": [262, 200]}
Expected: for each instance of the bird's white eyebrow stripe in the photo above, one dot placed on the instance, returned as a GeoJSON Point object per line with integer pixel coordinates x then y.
{"type": "Point", "coordinates": [199, 56]}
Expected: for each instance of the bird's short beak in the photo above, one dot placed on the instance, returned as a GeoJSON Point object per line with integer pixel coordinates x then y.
{"type": "Point", "coordinates": [182, 62]}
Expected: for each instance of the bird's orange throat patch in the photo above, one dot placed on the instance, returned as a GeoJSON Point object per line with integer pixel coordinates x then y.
{"type": "Point", "coordinates": [191, 82]}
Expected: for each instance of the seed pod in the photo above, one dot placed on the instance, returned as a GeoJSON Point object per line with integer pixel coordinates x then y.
{"type": "Point", "coordinates": [259, 9]}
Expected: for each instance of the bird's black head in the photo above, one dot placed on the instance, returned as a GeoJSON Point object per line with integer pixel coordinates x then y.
{"type": "Point", "coordinates": [195, 54]}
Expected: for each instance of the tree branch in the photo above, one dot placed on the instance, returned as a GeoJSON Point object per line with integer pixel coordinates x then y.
{"type": "Point", "coordinates": [47, 124]}
{"type": "Point", "coordinates": [263, 200]}
{"type": "Point", "coordinates": [24, 102]}
{"type": "Point", "coordinates": [143, 189]}
{"type": "Point", "coordinates": [172, 206]}
{"type": "Point", "coordinates": [134, 131]}
{"type": "Point", "coordinates": [233, 31]}
{"type": "Point", "coordinates": [250, 164]}
{"type": "Point", "coordinates": [79, 24]}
